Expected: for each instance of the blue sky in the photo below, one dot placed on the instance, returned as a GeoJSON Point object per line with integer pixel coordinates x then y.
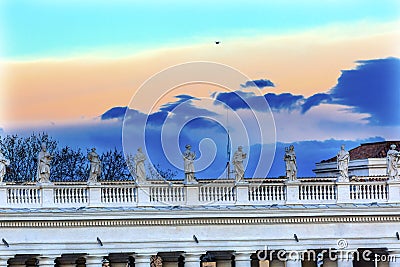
{"type": "Point", "coordinates": [37, 29]}
{"type": "Point", "coordinates": [330, 71]}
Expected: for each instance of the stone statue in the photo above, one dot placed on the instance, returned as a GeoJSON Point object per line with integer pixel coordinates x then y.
{"type": "Point", "coordinates": [291, 165]}
{"type": "Point", "coordinates": [140, 170]}
{"type": "Point", "coordinates": [237, 163]}
{"type": "Point", "coordinates": [286, 159]}
{"type": "Point", "coordinates": [95, 166]}
{"type": "Point", "coordinates": [3, 163]}
{"type": "Point", "coordinates": [43, 170]}
{"type": "Point", "coordinates": [392, 161]}
{"type": "Point", "coordinates": [188, 158]}
{"type": "Point", "coordinates": [342, 159]}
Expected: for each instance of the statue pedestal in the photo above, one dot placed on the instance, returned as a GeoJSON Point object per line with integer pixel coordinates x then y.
{"type": "Point", "coordinates": [342, 179]}
{"type": "Point", "coordinates": [394, 191]}
{"type": "Point", "coordinates": [241, 182]}
{"type": "Point", "coordinates": [292, 192]}
{"type": "Point", "coordinates": [90, 183]}
{"type": "Point", "coordinates": [94, 194]}
{"type": "Point", "coordinates": [192, 194]}
{"type": "Point", "coordinates": [343, 192]}
{"type": "Point", "coordinates": [143, 193]}
{"type": "Point", "coordinates": [190, 183]}
{"type": "Point", "coordinates": [47, 190]}
{"type": "Point", "coordinates": [242, 193]}
{"type": "Point", "coordinates": [3, 195]}
{"type": "Point", "coordinates": [44, 184]}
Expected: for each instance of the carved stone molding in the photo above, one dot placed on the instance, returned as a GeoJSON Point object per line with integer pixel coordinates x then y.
{"type": "Point", "coordinates": [198, 221]}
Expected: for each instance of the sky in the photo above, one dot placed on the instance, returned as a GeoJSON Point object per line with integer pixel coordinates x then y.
{"type": "Point", "coordinates": [329, 72]}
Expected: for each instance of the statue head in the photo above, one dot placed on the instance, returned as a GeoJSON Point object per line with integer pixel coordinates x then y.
{"type": "Point", "coordinates": [139, 149]}
{"type": "Point", "coordinates": [44, 148]}
{"type": "Point", "coordinates": [393, 146]}
{"type": "Point", "coordinates": [291, 147]}
{"type": "Point", "coordinates": [94, 149]}
{"type": "Point", "coordinates": [240, 148]}
{"type": "Point", "coordinates": [188, 146]}
{"type": "Point", "coordinates": [342, 147]}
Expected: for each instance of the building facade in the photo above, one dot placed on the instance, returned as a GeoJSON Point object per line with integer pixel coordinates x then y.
{"type": "Point", "coordinates": [220, 223]}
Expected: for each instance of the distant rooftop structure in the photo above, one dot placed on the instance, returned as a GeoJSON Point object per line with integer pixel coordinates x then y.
{"type": "Point", "coordinates": [368, 150]}
{"type": "Point", "coordinates": [368, 159]}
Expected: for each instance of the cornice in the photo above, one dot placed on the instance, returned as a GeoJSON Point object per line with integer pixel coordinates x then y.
{"type": "Point", "coordinates": [197, 221]}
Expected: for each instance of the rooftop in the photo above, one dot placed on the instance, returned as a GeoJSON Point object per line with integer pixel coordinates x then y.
{"type": "Point", "coordinates": [368, 150]}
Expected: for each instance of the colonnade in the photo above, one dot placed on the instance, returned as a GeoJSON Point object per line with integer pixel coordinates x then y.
{"type": "Point", "coordinates": [193, 259]}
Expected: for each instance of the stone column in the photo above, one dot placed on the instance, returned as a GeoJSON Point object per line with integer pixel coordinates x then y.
{"type": "Point", "coordinates": [345, 258]}
{"type": "Point", "coordinates": [293, 259]}
{"type": "Point", "coordinates": [46, 261]}
{"type": "Point", "coordinates": [142, 260]}
{"type": "Point", "coordinates": [394, 258]}
{"type": "Point", "coordinates": [192, 259]}
{"type": "Point", "coordinates": [94, 260]}
{"type": "Point", "coordinates": [3, 260]}
{"type": "Point", "coordinates": [242, 259]}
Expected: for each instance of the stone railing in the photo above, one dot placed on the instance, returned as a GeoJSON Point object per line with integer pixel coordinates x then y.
{"type": "Point", "coordinates": [206, 192]}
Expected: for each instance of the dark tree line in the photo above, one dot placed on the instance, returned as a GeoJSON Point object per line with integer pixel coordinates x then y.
{"type": "Point", "coordinates": [67, 164]}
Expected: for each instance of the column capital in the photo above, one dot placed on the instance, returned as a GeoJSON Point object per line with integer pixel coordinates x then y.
{"type": "Point", "coordinates": [294, 258]}
{"type": "Point", "coordinates": [193, 256]}
{"type": "Point", "coordinates": [345, 255]}
{"type": "Point", "coordinates": [143, 257]}
{"type": "Point", "coordinates": [94, 260]}
{"type": "Point", "coordinates": [294, 255]}
{"type": "Point", "coordinates": [242, 255]}
{"type": "Point", "coordinates": [4, 259]}
{"type": "Point", "coordinates": [395, 254]}
{"type": "Point", "coordinates": [242, 258]}
{"type": "Point", "coordinates": [47, 260]}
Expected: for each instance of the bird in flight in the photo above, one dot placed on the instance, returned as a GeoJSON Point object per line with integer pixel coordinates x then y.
{"type": "Point", "coordinates": [217, 42]}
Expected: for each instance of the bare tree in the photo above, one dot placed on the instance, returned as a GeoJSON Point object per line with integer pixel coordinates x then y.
{"type": "Point", "coordinates": [69, 165]}
{"type": "Point", "coordinates": [22, 153]}
{"type": "Point", "coordinates": [114, 167]}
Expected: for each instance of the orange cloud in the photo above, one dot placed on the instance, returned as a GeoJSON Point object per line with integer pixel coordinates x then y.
{"type": "Point", "coordinates": [303, 63]}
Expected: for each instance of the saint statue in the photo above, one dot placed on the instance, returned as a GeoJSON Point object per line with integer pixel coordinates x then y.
{"type": "Point", "coordinates": [392, 157]}
{"type": "Point", "coordinates": [291, 165]}
{"type": "Point", "coordinates": [188, 158]}
{"type": "Point", "coordinates": [95, 166]}
{"type": "Point", "coordinates": [140, 170]}
{"type": "Point", "coordinates": [3, 165]}
{"type": "Point", "coordinates": [287, 164]}
{"type": "Point", "coordinates": [237, 163]}
{"type": "Point", "coordinates": [342, 159]}
{"type": "Point", "coordinates": [43, 170]}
